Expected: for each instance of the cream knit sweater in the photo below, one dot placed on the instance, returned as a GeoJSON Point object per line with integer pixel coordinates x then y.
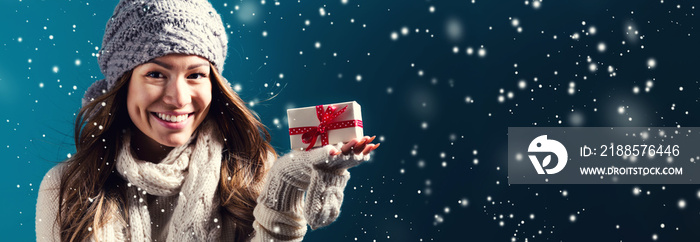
{"type": "Point", "coordinates": [282, 212]}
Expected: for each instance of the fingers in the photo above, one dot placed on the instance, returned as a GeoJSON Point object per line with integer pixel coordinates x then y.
{"type": "Point", "coordinates": [347, 147]}
{"type": "Point", "coordinates": [335, 151]}
{"type": "Point", "coordinates": [358, 145]}
{"type": "Point", "coordinates": [367, 149]}
{"type": "Point", "coordinates": [374, 147]}
{"type": "Point", "coordinates": [371, 139]}
{"type": "Point", "coordinates": [353, 144]}
{"type": "Point", "coordinates": [363, 145]}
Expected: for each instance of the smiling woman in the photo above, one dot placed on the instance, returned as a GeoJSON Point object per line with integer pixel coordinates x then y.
{"type": "Point", "coordinates": [167, 151]}
{"type": "Point", "coordinates": [169, 98]}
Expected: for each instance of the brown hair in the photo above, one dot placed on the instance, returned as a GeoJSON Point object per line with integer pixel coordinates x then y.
{"type": "Point", "coordinates": [91, 187]}
{"type": "Point", "coordinates": [246, 147]}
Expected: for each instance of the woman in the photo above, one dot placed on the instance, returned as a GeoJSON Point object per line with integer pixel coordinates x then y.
{"type": "Point", "coordinates": [166, 151]}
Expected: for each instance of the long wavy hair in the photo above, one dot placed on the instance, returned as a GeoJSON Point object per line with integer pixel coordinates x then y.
{"type": "Point", "coordinates": [91, 187]}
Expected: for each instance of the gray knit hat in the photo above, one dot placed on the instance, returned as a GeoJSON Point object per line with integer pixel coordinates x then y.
{"type": "Point", "coordinates": [141, 30]}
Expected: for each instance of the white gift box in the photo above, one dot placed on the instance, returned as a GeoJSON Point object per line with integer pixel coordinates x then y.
{"type": "Point", "coordinates": [343, 123]}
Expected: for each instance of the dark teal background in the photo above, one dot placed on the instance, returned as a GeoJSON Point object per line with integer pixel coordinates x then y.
{"type": "Point", "coordinates": [413, 92]}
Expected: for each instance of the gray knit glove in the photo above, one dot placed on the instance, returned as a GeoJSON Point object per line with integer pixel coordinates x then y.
{"type": "Point", "coordinates": [289, 178]}
{"type": "Point", "coordinates": [282, 213]}
{"type": "Point", "coordinates": [328, 180]}
{"type": "Point", "coordinates": [279, 215]}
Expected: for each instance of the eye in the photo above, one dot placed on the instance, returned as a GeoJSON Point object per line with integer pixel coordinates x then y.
{"type": "Point", "coordinates": [155, 74]}
{"type": "Point", "coordinates": [196, 76]}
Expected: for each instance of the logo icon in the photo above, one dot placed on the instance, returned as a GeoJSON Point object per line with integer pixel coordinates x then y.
{"type": "Point", "coordinates": [542, 144]}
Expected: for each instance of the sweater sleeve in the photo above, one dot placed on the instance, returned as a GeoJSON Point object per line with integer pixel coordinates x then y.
{"type": "Point", "coordinates": [282, 212]}
{"type": "Point", "coordinates": [324, 195]}
{"type": "Point", "coordinates": [47, 206]}
{"type": "Point", "coordinates": [279, 213]}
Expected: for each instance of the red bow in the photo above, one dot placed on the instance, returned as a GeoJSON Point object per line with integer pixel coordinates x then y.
{"type": "Point", "coordinates": [311, 133]}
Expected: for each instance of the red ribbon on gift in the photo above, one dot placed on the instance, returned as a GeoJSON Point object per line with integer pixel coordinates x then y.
{"type": "Point", "coordinates": [310, 133]}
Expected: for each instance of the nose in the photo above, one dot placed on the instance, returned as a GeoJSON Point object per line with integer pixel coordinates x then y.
{"type": "Point", "coordinates": [177, 92]}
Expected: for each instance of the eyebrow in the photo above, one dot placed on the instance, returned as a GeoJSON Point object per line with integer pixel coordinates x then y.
{"type": "Point", "coordinates": [170, 67]}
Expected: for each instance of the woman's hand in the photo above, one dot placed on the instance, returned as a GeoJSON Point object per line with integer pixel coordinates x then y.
{"type": "Point", "coordinates": [329, 178]}
{"type": "Point", "coordinates": [357, 145]}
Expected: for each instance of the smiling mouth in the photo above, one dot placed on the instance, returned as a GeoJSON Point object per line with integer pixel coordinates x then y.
{"type": "Point", "coordinates": [172, 118]}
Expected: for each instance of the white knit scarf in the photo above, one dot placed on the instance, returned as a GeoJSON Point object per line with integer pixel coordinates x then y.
{"type": "Point", "coordinates": [192, 171]}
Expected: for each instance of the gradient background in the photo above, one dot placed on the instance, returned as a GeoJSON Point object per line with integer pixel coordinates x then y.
{"type": "Point", "coordinates": [441, 173]}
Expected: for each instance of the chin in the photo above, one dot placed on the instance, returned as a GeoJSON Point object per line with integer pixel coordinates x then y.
{"type": "Point", "coordinates": [175, 140]}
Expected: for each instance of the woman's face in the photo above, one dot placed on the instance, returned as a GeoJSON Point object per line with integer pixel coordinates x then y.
{"type": "Point", "coordinates": [169, 97]}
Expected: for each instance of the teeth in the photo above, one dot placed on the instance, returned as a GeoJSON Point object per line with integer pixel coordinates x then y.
{"type": "Point", "coordinates": [172, 118]}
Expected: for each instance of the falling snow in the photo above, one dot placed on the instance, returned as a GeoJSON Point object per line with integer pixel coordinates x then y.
{"type": "Point", "coordinates": [439, 84]}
